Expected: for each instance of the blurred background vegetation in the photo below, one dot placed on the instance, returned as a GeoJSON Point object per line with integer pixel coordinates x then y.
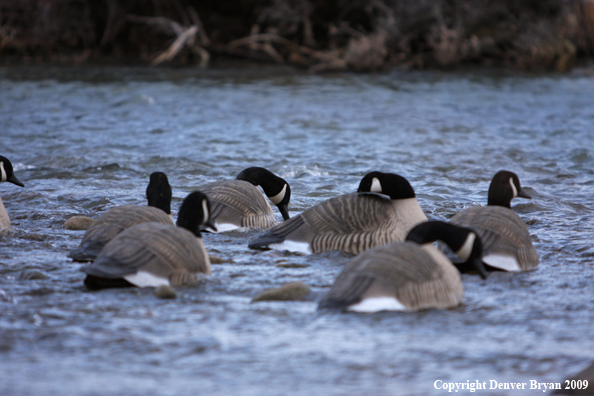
{"type": "Point", "coordinates": [359, 35]}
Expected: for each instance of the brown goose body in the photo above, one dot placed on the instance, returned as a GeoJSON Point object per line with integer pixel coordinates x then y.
{"type": "Point", "coordinates": [506, 240]}
{"type": "Point", "coordinates": [151, 254]}
{"type": "Point", "coordinates": [399, 276]}
{"type": "Point", "coordinates": [238, 203]}
{"type": "Point", "coordinates": [113, 222]}
{"type": "Point", "coordinates": [351, 223]}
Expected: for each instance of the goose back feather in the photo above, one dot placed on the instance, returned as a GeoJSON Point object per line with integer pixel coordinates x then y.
{"type": "Point", "coordinates": [151, 254]}
{"type": "Point", "coordinates": [410, 275]}
{"type": "Point", "coordinates": [417, 277]}
{"type": "Point", "coordinates": [352, 223]}
{"type": "Point", "coordinates": [110, 224]}
{"type": "Point", "coordinates": [506, 240]}
{"type": "Point", "coordinates": [115, 220]}
{"type": "Point", "coordinates": [237, 203]}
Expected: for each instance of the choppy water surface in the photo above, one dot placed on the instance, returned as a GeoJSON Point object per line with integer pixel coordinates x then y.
{"type": "Point", "coordinates": [84, 140]}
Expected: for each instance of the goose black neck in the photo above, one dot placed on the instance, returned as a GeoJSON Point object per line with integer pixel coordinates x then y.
{"type": "Point", "coordinates": [390, 184]}
{"type": "Point", "coordinates": [158, 192]}
{"type": "Point", "coordinates": [504, 187]}
{"type": "Point", "coordinates": [270, 183]}
{"type": "Point", "coordinates": [500, 191]}
{"type": "Point", "coordinates": [431, 231]}
{"type": "Point", "coordinates": [191, 213]}
{"type": "Point", "coordinates": [275, 188]}
{"type": "Point", "coordinates": [455, 237]}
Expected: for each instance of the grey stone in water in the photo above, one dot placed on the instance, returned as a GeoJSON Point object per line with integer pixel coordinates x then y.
{"type": "Point", "coordinates": [292, 265]}
{"type": "Point", "coordinates": [165, 292]}
{"type": "Point", "coordinates": [216, 259]}
{"type": "Point", "coordinates": [32, 275]}
{"type": "Point", "coordinates": [293, 291]}
{"type": "Point", "coordinates": [78, 223]}
{"type": "Point", "coordinates": [42, 291]}
{"type": "Point", "coordinates": [34, 236]}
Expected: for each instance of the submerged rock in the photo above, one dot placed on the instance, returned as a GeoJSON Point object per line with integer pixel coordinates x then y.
{"type": "Point", "coordinates": [293, 291]}
{"type": "Point", "coordinates": [33, 236]}
{"type": "Point", "coordinates": [217, 259]}
{"type": "Point", "coordinates": [165, 292]}
{"type": "Point", "coordinates": [32, 275]}
{"type": "Point", "coordinates": [78, 223]}
{"type": "Point", "coordinates": [291, 265]}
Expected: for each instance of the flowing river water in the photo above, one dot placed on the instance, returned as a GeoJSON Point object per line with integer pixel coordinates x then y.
{"type": "Point", "coordinates": [86, 139]}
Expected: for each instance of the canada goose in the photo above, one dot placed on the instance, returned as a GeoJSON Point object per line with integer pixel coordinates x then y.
{"type": "Point", "coordinates": [154, 254]}
{"type": "Point", "coordinates": [506, 240]}
{"type": "Point", "coordinates": [382, 211]}
{"type": "Point", "coordinates": [117, 219]}
{"type": "Point", "coordinates": [408, 276]}
{"type": "Point", "coordinates": [239, 203]}
{"type": "Point", "coordinates": [6, 175]}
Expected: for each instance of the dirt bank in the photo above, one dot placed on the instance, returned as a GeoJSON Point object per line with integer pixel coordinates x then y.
{"type": "Point", "coordinates": [315, 34]}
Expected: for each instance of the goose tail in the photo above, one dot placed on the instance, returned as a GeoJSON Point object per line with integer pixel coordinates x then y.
{"type": "Point", "coordinates": [276, 235]}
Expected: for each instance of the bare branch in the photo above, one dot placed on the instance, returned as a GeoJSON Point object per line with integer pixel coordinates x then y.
{"type": "Point", "coordinates": [196, 21]}
{"type": "Point", "coordinates": [269, 49]}
{"type": "Point", "coordinates": [177, 45]}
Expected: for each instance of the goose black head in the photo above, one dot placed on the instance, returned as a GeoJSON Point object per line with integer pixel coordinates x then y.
{"type": "Point", "coordinates": [463, 241]}
{"type": "Point", "coordinates": [275, 188]}
{"type": "Point", "coordinates": [194, 214]}
{"type": "Point", "coordinates": [504, 187]}
{"type": "Point", "coordinates": [390, 184]}
{"type": "Point", "coordinates": [158, 192]}
{"type": "Point", "coordinates": [7, 173]}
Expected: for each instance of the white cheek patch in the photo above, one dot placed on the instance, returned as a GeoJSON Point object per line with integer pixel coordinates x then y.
{"type": "Point", "coordinates": [3, 172]}
{"type": "Point", "coordinates": [376, 186]}
{"type": "Point", "coordinates": [377, 304]}
{"type": "Point", "coordinates": [206, 215]}
{"type": "Point", "coordinates": [280, 196]}
{"type": "Point", "coordinates": [466, 248]}
{"type": "Point", "coordinates": [514, 189]}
